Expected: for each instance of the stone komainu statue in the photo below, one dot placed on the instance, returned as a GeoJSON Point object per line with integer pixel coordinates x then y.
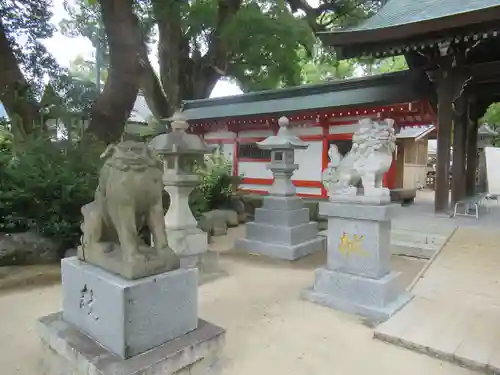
{"type": "Point", "coordinates": [369, 158]}
{"type": "Point", "coordinates": [129, 196]}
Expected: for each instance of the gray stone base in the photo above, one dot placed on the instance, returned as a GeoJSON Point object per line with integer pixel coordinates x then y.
{"type": "Point", "coordinates": [188, 244]}
{"type": "Point", "coordinates": [209, 268]}
{"type": "Point", "coordinates": [375, 299]}
{"type": "Point", "coordinates": [281, 251]}
{"type": "Point", "coordinates": [129, 317]}
{"type": "Point", "coordinates": [67, 351]}
{"type": "Point", "coordinates": [147, 262]}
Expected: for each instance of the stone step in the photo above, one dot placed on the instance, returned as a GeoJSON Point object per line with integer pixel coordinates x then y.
{"type": "Point", "coordinates": [274, 234]}
{"type": "Point", "coordinates": [284, 218]}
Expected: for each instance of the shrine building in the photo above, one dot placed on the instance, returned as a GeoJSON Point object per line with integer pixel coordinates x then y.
{"type": "Point", "coordinates": [453, 51]}
{"type": "Point", "coordinates": [320, 115]}
{"type": "Point", "coordinates": [456, 44]}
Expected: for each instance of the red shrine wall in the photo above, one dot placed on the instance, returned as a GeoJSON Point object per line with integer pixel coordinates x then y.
{"type": "Point", "coordinates": [251, 163]}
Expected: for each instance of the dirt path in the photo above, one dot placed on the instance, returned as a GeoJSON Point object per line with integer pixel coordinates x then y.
{"type": "Point", "coordinates": [270, 330]}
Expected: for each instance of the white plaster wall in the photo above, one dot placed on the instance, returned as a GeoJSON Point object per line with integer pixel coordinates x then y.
{"type": "Point", "coordinates": [309, 161]}
{"type": "Point", "coordinates": [228, 150]}
{"type": "Point", "coordinates": [307, 190]}
{"type": "Point", "coordinates": [255, 187]}
{"type": "Point", "coordinates": [254, 133]}
{"type": "Point", "coordinates": [254, 170]}
{"type": "Point", "coordinates": [300, 190]}
{"type": "Point", "coordinates": [220, 135]}
{"type": "Point", "coordinates": [345, 118]}
{"type": "Point", "coordinates": [310, 130]}
{"type": "Point", "coordinates": [343, 129]}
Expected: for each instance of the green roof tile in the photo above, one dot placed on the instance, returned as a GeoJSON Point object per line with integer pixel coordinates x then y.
{"type": "Point", "coordinates": [400, 12]}
{"type": "Point", "coordinates": [385, 89]}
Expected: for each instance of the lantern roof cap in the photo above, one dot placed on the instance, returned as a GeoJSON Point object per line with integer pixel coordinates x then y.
{"type": "Point", "coordinates": [284, 139]}
{"type": "Point", "coordinates": [178, 141]}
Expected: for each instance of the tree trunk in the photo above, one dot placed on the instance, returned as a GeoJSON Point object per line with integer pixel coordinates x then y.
{"type": "Point", "coordinates": [15, 92]}
{"type": "Point", "coordinates": [112, 109]}
{"type": "Point", "coordinates": [173, 49]}
{"type": "Point", "coordinates": [185, 74]}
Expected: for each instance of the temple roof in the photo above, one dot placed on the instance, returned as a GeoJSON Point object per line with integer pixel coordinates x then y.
{"type": "Point", "coordinates": [411, 19]}
{"type": "Point", "coordinates": [384, 89]}
{"type": "Point", "coordinates": [415, 132]}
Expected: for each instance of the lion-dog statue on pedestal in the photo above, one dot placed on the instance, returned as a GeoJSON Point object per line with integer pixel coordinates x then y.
{"type": "Point", "coordinates": [369, 158]}
{"type": "Point", "coordinates": [129, 195]}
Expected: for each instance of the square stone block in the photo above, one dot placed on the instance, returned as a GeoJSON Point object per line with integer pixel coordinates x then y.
{"type": "Point", "coordinates": [281, 251]}
{"type": "Point", "coordinates": [287, 218]}
{"type": "Point", "coordinates": [356, 211]}
{"type": "Point", "coordinates": [186, 242]}
{"type": "Point", "coordinates": [282, 203]}
{"type": "Point", "coordinates": [360, 247]}
{"type": "Point", "coordinates": [375, 299]}
{"type": "Point", "coordinates": [67, 351]}
{"type": "Point", "coordinates": [282, 235]}
{"type": "Point", "coordinates": [129, 317]}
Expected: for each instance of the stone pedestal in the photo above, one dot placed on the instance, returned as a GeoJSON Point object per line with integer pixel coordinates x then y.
{"type": "Point", "coordinates": [188, 241]}
{"type": "Point", "coordinates": [282, 230]}
{"type": "Point", "coordinates": [183, 153]}
{"type": "Point", "coordinates": [357, 277]}
{"type": "Point", "coordinates": [111, 325]}
{"type": "Point", "coordinates": [67, 351]}
{"type": "Point", "coordinates": [184, 237]}
{"type": "Point", "coordinates": [129, 317]}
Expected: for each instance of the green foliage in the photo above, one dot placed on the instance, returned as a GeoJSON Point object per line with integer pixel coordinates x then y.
{"type": "Point", "coordinates": [6, 139]}
{"type": "Point", "coordinates": [86, 70]}
{"type": "Point", "coordinates": [492, 116]}
{"type": "Point", "coordinates": [391, 64]}
{"type": "Point", "coordinates": [44, 186]}
{"type": "Point", "coordinates": [325, 67]}
{"type": "Point", "coordinates": [26, 24]}
{"type": "Point", "coordinates": [263, 40]}
{"type": "Point", "coordinates": [266, 45]}
{"type": "Point", "coordinates": [217, 184]}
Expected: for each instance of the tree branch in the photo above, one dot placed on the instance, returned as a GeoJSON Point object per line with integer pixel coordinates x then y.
{"type": "Point", "coordinates": [112, 109]}
{"type": "Point", "coordinates": [215, 62]}
{"type": "Point", "coordinates": [15, 91]}
{"type": "Point", "coordinates": [314, 15]}
{"type": "Point", "coordinates": [172, 51]}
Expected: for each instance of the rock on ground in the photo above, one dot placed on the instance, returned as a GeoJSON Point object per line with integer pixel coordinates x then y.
{"type": "Point", "coordinates": [27, 248]}
{"type": "Point", "coordinates": [216, 222]}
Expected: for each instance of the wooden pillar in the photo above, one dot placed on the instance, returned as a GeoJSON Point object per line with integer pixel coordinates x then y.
{"type": "Point", "coordinates": [445, 118]}
{"type": "Point", "coordinates": [459, 136]}
{"type": "Point", "coordinates": [470, 174]}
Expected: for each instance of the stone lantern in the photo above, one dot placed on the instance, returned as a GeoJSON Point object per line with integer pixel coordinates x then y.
{"type": "Point", "coordinates": [282, 228]}
{"type": "Point", "coordinates": [181, 152]}
{"type": "Point", "coordinates": [283, 146]}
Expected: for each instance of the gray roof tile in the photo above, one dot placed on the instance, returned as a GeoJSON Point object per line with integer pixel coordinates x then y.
{"type": "Point", "coordinates": [399, 87]}
{"type": "Point", "coordinates": [400, 12]}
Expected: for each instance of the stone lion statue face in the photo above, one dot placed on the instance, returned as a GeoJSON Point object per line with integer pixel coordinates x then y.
{"type": "Point", "coordinates": [373, 135]}
{"type": "Point", "coordinates": [131, 153]}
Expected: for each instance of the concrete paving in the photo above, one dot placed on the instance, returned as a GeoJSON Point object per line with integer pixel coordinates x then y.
{"type": "Point", "coordinates": [456, 312]}
{"type": "Point", "coordinates": [270, 330]}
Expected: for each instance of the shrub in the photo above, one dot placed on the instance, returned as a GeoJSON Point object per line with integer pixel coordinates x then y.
{"type": "Point", "coordinates": [217, 184]}
{"type": "Point", "coordinates": [44, 185]}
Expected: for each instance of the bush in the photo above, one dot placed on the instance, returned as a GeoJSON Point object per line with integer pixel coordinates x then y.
{"type": "Point", "coordinates": [217, 184]}
{"type": "Point", "coordinates": [44, 185]}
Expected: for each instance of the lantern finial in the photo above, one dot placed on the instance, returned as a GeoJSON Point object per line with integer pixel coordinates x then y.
{"type": "Point", "coordinates": [283, 122]}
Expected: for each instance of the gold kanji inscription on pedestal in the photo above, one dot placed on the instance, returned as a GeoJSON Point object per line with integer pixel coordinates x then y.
{"type": "Point", "coordinates": [351, 245]}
